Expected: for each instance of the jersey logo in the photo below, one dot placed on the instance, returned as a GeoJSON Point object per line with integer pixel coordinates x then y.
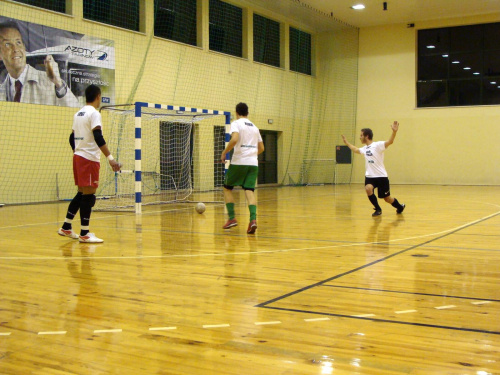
{"type": "Point", "coordinates": [80, 114]}
{"type": "Point", "coordinates": [369, 153]}
{"type": "Point", "coordinates": [248, 124]}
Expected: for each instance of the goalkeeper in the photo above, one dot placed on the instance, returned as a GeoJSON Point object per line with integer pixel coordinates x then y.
{"type": "Point", "coordinates": [87, 142]}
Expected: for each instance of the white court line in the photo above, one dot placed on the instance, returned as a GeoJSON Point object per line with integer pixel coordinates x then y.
{"type": "Point", "coordinates": [405, 311]}
{"type": "Point", "coordinates": [444, 307]}
{"type": "Point", "coordinates": [5, 333]}
{"type": "Point", "coordinates": [316, 319]}
{"type": "Point", "coordinates": [253, 252]}
{"type": "Point", "coordinates": [216, 325]}
{"type": "Point", "coordinates": [480, 302]}
{"type": "Point", "coordinates": [267, 323]}
{"type": "Point", "coordinates": [363, 315]}
{"type": "Point", "coordinates": [162, 328]}
{"type": "Point", "coordinates": [107, 330]}
{"type": "Point", "coordinates": [53, 333]}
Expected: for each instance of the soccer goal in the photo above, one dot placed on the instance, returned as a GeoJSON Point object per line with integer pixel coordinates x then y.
{"type": "Point", "coordinates": [319, 172]}
{"type": "Point", "coordinates": [169, 154]}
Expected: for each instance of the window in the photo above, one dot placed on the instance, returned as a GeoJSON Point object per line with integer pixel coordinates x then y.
{"type": "Point", "coordinates": [55, 5]}
{"type": "Point", "coordinates": [121, 13]}
{"type": "Point", "coordinates": [459, 66]}
{"type": "Point", "coordinates": [176, 20]}
{"type": "Point", "coordinates": [266, 40]}
{"type": "Point", "coordinates": [226, 28]}
{"type": "Point", "coordinates": [300, 51]}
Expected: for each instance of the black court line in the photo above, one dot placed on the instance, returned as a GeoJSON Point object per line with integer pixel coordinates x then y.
{"type": "Point", "coordinates": [418, 294]}
{"type": "Point", "coordinates": [264, 304]}
{"type": "Point", "coordinates": [387, 321]}
{"type": "Point", "coordinates": [321, 283]}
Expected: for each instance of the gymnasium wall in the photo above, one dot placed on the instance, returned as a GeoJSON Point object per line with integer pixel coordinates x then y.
{"type": "Point", "coordinates": [309, 111]}
{"type": "Point", "coordinates": [455, 146]}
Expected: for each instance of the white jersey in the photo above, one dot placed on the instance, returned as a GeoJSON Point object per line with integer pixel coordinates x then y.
{"type": "Point", "coordinates": [374, 159]}
{"type": "Point", "coordinates": [84, 121]}
{"type": "Point", "coordinates": [245, 151]}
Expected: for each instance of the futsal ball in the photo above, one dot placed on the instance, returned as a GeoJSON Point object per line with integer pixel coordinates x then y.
{"type": "Point", "coordinates": [200, 208]}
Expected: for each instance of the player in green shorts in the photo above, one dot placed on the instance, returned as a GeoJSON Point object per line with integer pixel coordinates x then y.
{"type": "Point", "coordinates": [244, 168]}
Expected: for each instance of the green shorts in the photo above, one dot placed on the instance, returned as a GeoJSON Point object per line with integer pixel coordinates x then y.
{"type": "Point", "coordinates": [241, 175]}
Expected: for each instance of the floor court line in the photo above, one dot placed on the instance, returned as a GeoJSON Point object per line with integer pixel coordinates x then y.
{"type": "Point", "coordinates": [439, 234]}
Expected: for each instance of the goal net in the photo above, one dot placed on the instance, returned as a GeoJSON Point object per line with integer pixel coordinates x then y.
{"type": "Point", "coordinates": [168, 155]}
{"type": "Point", "coordinates": [319, 171]}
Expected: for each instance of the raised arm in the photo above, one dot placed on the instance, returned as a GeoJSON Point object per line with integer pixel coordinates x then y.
{"type": "Point", "coordinates": [395, 128]}
{"type": "Point", "coordinates": [352, 147]}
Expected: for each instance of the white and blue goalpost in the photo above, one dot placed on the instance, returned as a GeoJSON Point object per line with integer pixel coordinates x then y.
{"type": "Point", "coordinates": [164, 159]}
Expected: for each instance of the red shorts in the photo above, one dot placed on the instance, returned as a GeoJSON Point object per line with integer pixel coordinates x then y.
{"type": "Point", "coordinates": [86, 172]}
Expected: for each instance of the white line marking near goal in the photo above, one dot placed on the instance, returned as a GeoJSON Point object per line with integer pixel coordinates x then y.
{"type": "Point", "coordinates": [405, 311]}
{"type": "Point", "coordinates": [5, 333]}
{"type": "Point", "coordinates": [316, 319]}
{"type": "Point", "coordinates": [53, 333]}
{"type": "Point", "coordinates": [363, 315]}
{"type": "Point", "coordinates": [162, 328]}
{"type": "Point", "coordinates": [108, 330]}
{"type": "Point", "coordinates": [216, 325]}
{"type": "Point", "coordinates": [267, 323]}
{"type": "Point", "coordinates": [444, 307]}
{"type": "Point", "coordinates": [225, 253]}
{"type": "Point", "coordinates": [480, 302]}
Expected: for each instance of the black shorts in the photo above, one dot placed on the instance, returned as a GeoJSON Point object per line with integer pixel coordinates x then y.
{"type": "Point", "coordinates": [381, 183]}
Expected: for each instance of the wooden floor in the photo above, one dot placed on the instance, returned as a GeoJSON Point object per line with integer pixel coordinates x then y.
{"type": "Point", "coordinates": [322, 288]}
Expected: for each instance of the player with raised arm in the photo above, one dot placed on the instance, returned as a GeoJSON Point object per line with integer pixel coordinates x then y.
{"type": "Point", "coordinates": [87, 142]}
{"type": "Point", "coordinates": [376, 175]}
{"type": "Point", "coordinates": [244, 168]}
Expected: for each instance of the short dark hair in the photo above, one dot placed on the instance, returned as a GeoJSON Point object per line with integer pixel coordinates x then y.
{"type": "Point", "coordinates": [367, 132]}
{"type": "Point", "coordinates": [242, 109]}
{"type": "Point", "coordinates": [10, 25]}
{"type": "Point", "coordinates": [91, 93]}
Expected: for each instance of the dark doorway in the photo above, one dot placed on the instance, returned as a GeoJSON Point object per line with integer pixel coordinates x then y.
{"type": "Point", "coordinates": [268, 160]}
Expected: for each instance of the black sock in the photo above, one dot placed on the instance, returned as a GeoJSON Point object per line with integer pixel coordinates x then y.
{"type": "Point", "coordinates": [396, 204]}
{"type": "Point", "coordinates": [374, 201]}
{"type": "Point", "coordinates": [73, 208]}
{"type": "Point", "coordinates": [86, 205]}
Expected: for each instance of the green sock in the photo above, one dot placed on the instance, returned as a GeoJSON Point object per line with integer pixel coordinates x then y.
{"type": "Point", "coordinates": [253, 212]}
{"type": "Point", "coordinates": [230, 210]}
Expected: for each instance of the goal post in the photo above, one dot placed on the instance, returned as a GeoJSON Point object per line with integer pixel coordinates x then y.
{"type": "Point", "coordinates": [319, 172]}
{"type": "Point", "coordinates": [169, 154]}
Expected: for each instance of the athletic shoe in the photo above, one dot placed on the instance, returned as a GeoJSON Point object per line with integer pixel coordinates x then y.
{"type": "Point", "coordinates": [230, 223]}
{"type": "Point", "coordinates": [400, 210]}
{"type": "Point", "coordinates": [377, 212]}
{"type": "Point", "coordinates": [67, 233]}
{"type": "Point", "coordinates": [252, 227]}
{"type": "Point", "coordinates": [89, 237]}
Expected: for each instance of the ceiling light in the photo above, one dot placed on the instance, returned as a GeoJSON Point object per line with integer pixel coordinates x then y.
{"type": "Point", "coordinates": [455, 62]}
{"type": "Point", "coordinates": [476, 73]}
{"type": "Point", "coordinates": [467, 68]}
{"type": "Point", "coordinates": [493, 83]}
{"type": "Point", "coordinates": [358, 7]}
{"type": "Point", "coordinates": [445, 55]}
{"type": "Point", "coordinates": [431, 46]}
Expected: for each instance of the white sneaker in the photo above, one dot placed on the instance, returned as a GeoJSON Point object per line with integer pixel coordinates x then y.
{"type": "Point", "coordinates": [89, 237]}
{"type": "Point", "coordinates": [67, 233]}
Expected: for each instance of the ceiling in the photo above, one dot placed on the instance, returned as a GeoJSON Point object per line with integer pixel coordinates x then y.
{"type": "Point", "coordinates": [401, 11]}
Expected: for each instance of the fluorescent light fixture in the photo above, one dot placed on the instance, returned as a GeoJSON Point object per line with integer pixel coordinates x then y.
{"type": "Point", "coordinates": [493, 83]}
{"type": "Point", "coordinates": [476, 73]}
{"type": "Point", "coordinates": [455, 62]}
{"type": "Point", "coordinates": [445, 55]}
{"type": "Point", "coordinates": [358, 7]}
{"type": "Point", "coordinates": [431, 46]}
{"type": "Point", "coordinates": [467, 68]}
